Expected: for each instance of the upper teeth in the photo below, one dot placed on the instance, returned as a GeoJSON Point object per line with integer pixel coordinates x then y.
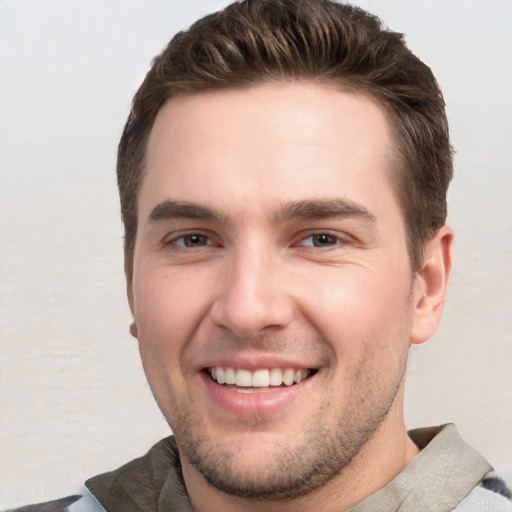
{"type": "Point", "coordinates": [258, 378]}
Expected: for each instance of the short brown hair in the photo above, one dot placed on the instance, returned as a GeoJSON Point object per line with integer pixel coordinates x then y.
{"type": "Point", "coordinates": [254, 41]}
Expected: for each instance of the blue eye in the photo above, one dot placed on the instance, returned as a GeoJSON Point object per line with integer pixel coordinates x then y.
{"type": "Point", "coordinates": [192, 240]}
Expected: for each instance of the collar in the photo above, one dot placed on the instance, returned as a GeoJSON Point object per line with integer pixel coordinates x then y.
{"type": "Point", "coordinates": [439, 477]}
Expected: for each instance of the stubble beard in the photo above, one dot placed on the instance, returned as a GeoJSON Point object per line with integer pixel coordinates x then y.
{"type": "Point", "coordinates": [290, 472]}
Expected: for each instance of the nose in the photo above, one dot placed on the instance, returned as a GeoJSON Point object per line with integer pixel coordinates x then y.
{"type": "Point", "coordinates": [253, 298]}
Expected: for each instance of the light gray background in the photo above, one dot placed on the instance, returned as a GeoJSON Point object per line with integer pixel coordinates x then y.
{"type": "Point", "coordinates": [74, 401]}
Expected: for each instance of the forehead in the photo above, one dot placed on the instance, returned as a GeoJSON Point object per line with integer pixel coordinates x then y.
{"type": "Point", "coordinates": [275, 141]}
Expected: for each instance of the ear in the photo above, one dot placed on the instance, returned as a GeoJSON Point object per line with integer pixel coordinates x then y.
{"type": "Point", "coordinates": [128, 272]}
{"type": "Point", "coordinates": [430, 285]}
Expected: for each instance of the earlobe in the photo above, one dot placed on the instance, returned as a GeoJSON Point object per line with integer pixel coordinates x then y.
{"type": "Point", "coordinates": [133, 329]}
{"type": "Point", "coordinates": [430, 286]}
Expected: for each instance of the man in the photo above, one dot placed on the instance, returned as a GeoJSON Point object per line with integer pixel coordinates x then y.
{"type": "Point", "coordinates": [283, 178]}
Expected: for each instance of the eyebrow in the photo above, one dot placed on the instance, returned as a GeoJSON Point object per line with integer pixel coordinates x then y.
{"type": "Point", "coordinates": [183, 209]}
{"type": "Point", "coordinates": [307, 209]}
{"type": "Point", "coordinates": [323, 208]}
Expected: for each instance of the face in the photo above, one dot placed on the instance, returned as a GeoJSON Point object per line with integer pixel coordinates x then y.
{"type": "Point", "coordinates": [271, 285]}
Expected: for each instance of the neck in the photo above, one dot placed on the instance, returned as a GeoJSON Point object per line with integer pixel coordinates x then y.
{"type": "Point", "coordinates": [383, 457]}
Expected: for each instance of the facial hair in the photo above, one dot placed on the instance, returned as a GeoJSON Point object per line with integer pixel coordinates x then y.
{"type": "Point", "coordinates": [323, 453]}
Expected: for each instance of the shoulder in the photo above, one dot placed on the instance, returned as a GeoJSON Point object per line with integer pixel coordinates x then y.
{"type": "Point", "coordinates": [76, 502]}
{"type": "Point", "coordinates": [84, 502]}
{"type": "Point", "coordinates": [141, 479]}
{"type": "Point", "coordinates": [481, 499]}
{"type": "Point", "coordinates": [49, 506]}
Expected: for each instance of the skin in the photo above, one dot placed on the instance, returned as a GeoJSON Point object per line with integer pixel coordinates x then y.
{"type": "Point", "coordinates": [270, 234]}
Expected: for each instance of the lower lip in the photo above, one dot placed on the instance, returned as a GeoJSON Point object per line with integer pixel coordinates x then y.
{"type": "Point", "coordinates": [260, 404]}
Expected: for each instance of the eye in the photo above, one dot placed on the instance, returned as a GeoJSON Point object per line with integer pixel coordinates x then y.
{"type": "Point", "coordinates": [320, 240]}
{"type": "Point", "coordinates": [191, 240]}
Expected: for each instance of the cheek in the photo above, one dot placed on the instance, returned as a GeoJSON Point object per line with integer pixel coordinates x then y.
{"type": "Point", "coordinates": [167, 309]}
{"type": "Point", "coordinates": [357, 309]}
{"type": "Point", "coordinates": [168, 306]}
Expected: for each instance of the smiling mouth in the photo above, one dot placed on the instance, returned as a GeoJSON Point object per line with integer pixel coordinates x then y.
{"type": "Point", "coordinates": [258, 381]}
